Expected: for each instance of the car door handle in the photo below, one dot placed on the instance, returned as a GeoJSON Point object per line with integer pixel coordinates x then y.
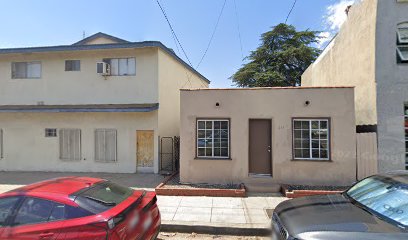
{"type": "Point", "coordinates": [46, 235]}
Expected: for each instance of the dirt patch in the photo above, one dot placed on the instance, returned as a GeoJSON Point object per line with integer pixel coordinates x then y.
{"type": "Point", "coordinates": [175, 183]}
{"type": "Point", "coordinates": [171, 186]}
{"type": "Point", "coordinates": [295, 191]}
{"type": "Point", "coordinates": [323, 188]}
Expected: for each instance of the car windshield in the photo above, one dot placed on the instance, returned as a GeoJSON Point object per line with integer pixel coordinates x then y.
{"type": "Point", "coordinates": [102, 197]}
{"type": "Point", "coordinates": [383, 196]}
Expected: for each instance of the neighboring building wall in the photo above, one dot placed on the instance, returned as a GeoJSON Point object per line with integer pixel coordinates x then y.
{"type": "Point", "coordinates": [280, 105]}
{"type": "Point", "coordinates": [172, 77]}
{"type": "Point", "coordinates": [392, 86]}
{"type": "Point", "coordinates": [27, 149]}
{"type": "Point", "coordinates": [56, 86]}
{"type": "Point", "coordinates": [349, 60]}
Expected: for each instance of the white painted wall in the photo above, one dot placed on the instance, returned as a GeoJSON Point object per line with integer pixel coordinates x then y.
{"type": "Point", "coordinates": [56, 86]}
{"type": "Point", "coordinates": [27, 149]}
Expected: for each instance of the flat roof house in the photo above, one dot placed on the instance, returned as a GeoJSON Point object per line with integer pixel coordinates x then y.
{"type": "Point", "coordinates": [264, 137]}
{"type": "Point", "coordinates": [98, 105]}
{"type": "Point", "coordinates": [370, 52]}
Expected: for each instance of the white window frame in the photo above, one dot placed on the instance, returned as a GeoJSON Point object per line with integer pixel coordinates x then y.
{"type": "Point", "coordinates": [117, 61]}
{"type": "Point", "coordinates": [105, 131]}
{"type": "Point", "coordinates": [406, 134]}
{"type": "Point", "coordinates": [61, 137]}
{"type": "Point", "coordinates": [212, 139]}
{"type": "Point", "coordinates": [327, 120]}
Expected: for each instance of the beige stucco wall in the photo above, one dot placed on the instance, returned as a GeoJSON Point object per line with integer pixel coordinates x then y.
{"type": "Point", "coordinates": [349, 60]}
{"type": "Point", "coordinates": [280, 105]}
{"type": "Point", "coordinates": [100, 40]}
{"type": "Point", "coordinates": [172, 77]}
{"type": "Point", "coordinates": [27, 149]}
{"type": "Point", "coordinates": [56, 86]}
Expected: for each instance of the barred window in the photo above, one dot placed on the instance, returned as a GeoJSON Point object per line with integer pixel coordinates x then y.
{"type": "Point", "coordinates": [105, 145]}
{"type": "Point", "coordinates": [70, 144]}
{"type": "Point", "coordinates": [50, 132]}
{"type": "Point", "coordinates": [311, 140]}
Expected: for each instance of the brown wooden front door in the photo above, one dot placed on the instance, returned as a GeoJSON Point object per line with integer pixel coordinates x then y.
{"type": "Point", "coordinates": [260, 143]}
{"type": "Point", "coordinates": [145, 148]}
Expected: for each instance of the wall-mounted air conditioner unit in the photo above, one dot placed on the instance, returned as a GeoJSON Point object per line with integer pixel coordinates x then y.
{"type": "Point", "coordinates": [103, 68]}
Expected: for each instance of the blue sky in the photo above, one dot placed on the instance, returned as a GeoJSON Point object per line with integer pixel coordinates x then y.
{"type": "Point", "coordinates": [54, 22]}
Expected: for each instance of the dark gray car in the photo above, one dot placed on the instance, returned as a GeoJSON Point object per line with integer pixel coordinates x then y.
{"type": "Point", "coordinates": [374, 208]}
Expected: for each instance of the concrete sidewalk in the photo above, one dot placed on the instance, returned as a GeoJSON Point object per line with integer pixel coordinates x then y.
{"type": "Point", "coordinates": [218, 214]}
{"type": "Point", "coordinates": [215, 215]}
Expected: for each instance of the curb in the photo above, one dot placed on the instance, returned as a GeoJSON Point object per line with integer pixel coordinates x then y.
{"type": "Point", "coordinates": [218, 229]}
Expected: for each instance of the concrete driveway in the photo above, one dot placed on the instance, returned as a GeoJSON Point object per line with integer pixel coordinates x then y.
{"type": "Point", "coordinates": [11, 180]}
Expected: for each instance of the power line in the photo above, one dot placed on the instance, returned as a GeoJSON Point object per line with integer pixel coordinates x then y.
{"type": "Point", "coordinates": [188, 75]}
{"type": "Point", "coordinates": [239, 30]}
{"type": "Point", "coordinates": [173, 32]}
{"type": "Point", "coordinates": [213, 33]}
{"type": "Point", "coordinates": [290, 12]}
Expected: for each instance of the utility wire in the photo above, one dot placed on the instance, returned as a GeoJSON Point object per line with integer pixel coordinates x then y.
{"type": "Point", "coordinates": [188, 75]}
{"type": "Point", "coordinates": [290, 12]}
{"type": "Point", "coordinates": [173, 32]}
{"type": "Point", "coordinates": [239, 30]}
{"type": "Point", "coordinates": [213, 33]}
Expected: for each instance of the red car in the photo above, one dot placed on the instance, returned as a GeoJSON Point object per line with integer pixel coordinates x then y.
{"type": "Point", "coordinates": [78, 208]}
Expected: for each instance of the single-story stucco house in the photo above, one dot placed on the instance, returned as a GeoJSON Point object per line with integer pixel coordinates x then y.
{"type": "Point", "coordinates": [299, 135]}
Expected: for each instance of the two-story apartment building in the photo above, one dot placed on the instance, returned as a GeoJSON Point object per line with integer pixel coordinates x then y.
{"type": "Point", "coordinates": [371, 53]}
{"type": "Point", "coordinates": [58, 114]}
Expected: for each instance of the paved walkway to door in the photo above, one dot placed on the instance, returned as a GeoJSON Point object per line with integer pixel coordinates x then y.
{"type": "Point", "coordinates": [11, 180]}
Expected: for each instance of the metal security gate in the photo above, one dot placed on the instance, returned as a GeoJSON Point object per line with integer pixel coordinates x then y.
{"type": "Point", "coordinates": [169, 149]}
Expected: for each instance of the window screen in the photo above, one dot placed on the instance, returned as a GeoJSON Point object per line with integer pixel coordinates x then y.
{"type": "Point", "coordinates": [122, 66]}
{"type": "Point", "coordinates": [70, 144]}
{"type": "Point", "coordinates": [72, 65]}
{"type": "Point", "coordinates": [25, 70]}
{"type": "Point", "coordinates": [105, 145]}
